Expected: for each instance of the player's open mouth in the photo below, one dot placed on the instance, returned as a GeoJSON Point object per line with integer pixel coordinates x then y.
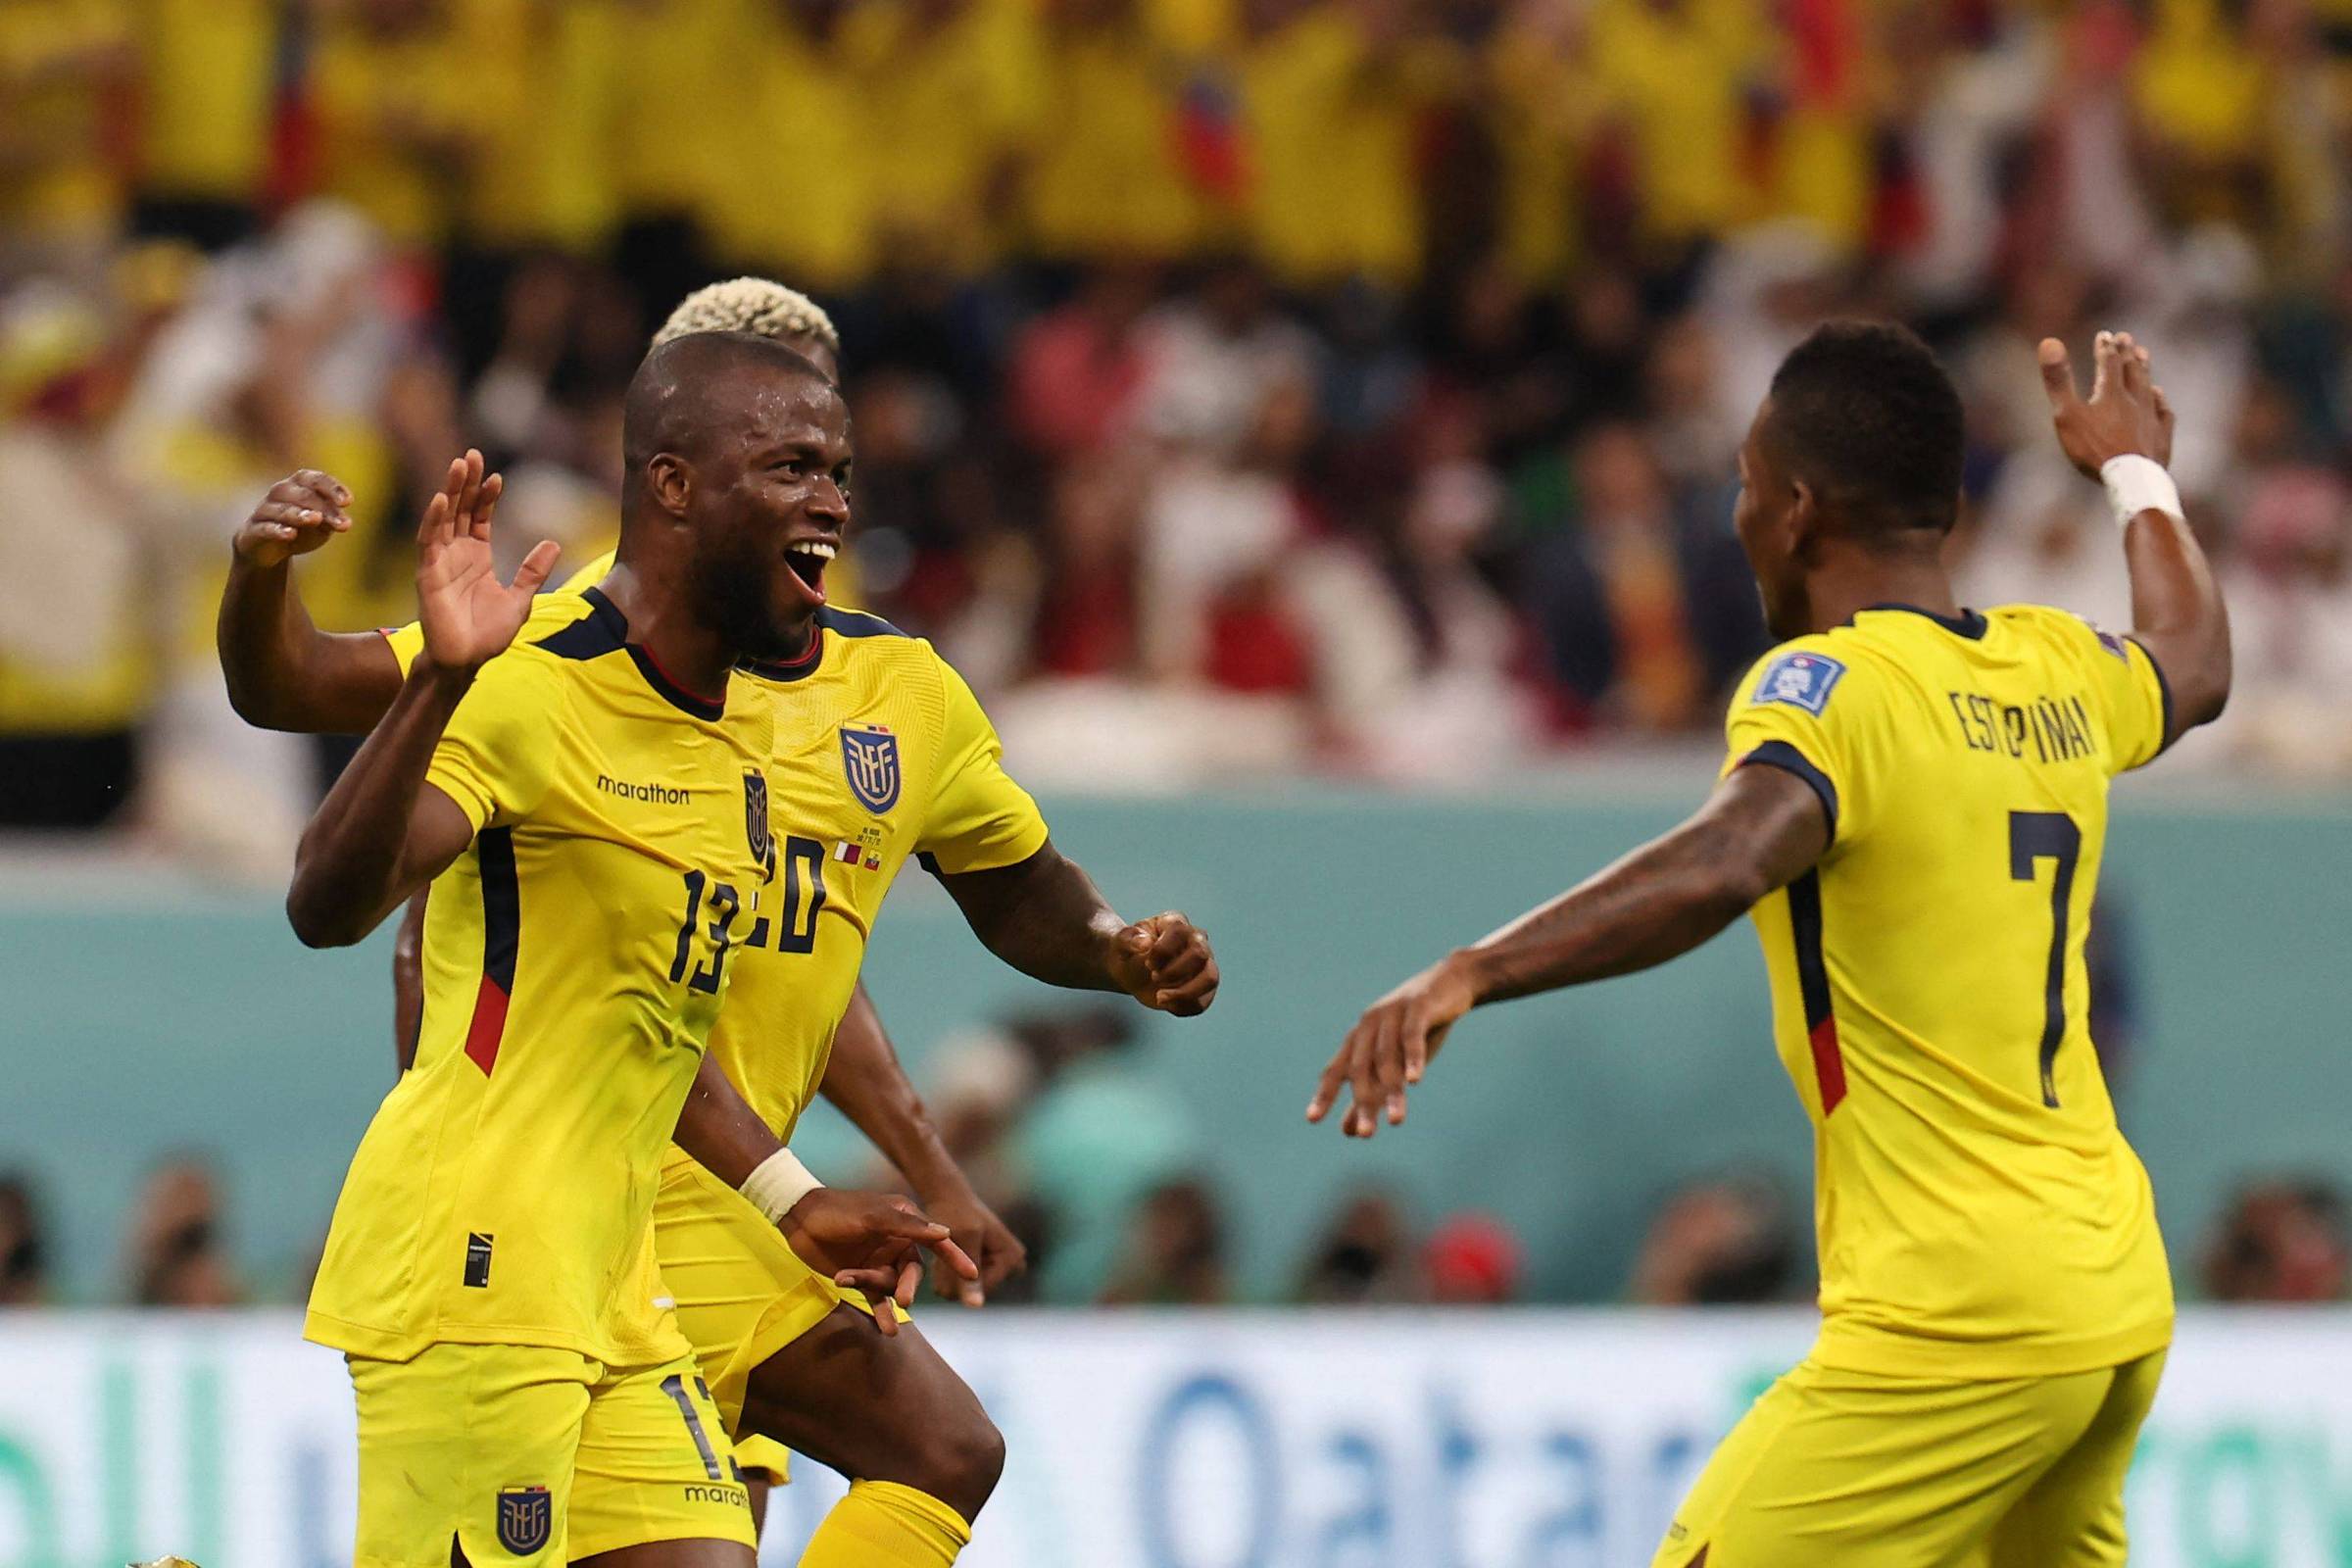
{"type": "Point", "coordinates": [807, 560]}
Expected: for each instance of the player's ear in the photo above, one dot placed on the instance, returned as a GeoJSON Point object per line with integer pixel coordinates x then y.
{"type": "Point", "coordinates": [669, 480]}
{"type": "Point", "coordinates": [1803, 519]}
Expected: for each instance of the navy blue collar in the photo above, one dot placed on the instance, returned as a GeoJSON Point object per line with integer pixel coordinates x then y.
{"type": "Point", "coordinates": [1967, 624]}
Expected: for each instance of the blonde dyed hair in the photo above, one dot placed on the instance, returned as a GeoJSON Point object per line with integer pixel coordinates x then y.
{"type": "Point", "coordinates": [750, 305]}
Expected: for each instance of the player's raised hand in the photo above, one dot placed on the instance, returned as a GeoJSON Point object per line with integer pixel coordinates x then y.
{"type": "Point", "coordinates": [1390, 1048]}
{"type": "Point", "coordinates": [1165, 963]}
{"type": "Point", "coordinates": [2125, 414]}
{"type": "Point", "coordinates": [468, 616]}
{"type": "Point", "coordinates": [871, 1241]}
{"type": "Point", "coordinates": [302, 512]}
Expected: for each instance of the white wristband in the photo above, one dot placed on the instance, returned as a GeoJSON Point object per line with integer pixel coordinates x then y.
{"type": "Point", "coordinates": [780, 1182]}
{"type": "Point", "coordinates": [2137, 484]}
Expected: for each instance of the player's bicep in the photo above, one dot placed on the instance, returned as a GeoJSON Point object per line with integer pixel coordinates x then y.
{"type": "Point", "coordinates": [439, 831]}
{"type": "Point", "coordinates": [1770, 825]}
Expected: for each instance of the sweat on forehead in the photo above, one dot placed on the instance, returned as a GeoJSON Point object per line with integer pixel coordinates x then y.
{"type": "Point", "coordinates": [710, 385]}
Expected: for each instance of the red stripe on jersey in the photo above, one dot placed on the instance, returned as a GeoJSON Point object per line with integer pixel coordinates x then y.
{"type": "Point", "coordinates": [1828, 1065]}
{"type": "Point", "coordinates": [488, 1026]}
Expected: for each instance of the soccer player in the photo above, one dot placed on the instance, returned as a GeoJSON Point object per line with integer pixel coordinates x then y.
{"type": "Point", "coordinates": [1913, 810]}
{"type": "Point", "coordinates": [284, 673]}
{"type": "Point", "coordinates": [590, 810]}
{"type": "Point", "coordinates": [882, 753]}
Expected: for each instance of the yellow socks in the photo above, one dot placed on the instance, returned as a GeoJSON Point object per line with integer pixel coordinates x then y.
{"type": "Point", "coordinates": [881, 1524]}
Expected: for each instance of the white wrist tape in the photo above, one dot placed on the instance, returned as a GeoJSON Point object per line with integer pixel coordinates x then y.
{"type": "Point", "coordinates": [2137, 484]}
{"type": "Point", "coordinates": [780, 1182]}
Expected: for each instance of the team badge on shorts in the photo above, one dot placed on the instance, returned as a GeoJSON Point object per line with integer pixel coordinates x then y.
{"type": "Point", "coordinates": [870, 759]}
{"type": "Point", "coordinates": [525, 1516]}
{"type": "Point", "coordinates": [1800, 680]}
{"type": "Point", "coordinates": [754, 821]}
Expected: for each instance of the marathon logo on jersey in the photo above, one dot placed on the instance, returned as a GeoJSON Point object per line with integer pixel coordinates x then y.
{"type": "Point", "coordinates": [754, 822]}
{"type": "Point", "coordinates": [1801, 680]}
{"type": "Point", "coordinates": [527, 1516]}
{"type": "Point", "coordinates": [477, 1260]}
{"type": "Point", "coordinates": [870, 759]}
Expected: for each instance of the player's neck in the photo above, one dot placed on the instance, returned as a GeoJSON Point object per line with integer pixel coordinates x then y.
{"type": "Point", "coordinates": [1844, 585]}
{"type": "Point", "coordinates": [686, 650]}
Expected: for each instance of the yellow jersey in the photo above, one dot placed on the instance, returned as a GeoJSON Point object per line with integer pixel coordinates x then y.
{"type": "Point", "coordinates": [1978, 1214]}
{"type": "Point", "coordinates": [574, 960]}
{"type": "Point", "coordinates": [881, 752]}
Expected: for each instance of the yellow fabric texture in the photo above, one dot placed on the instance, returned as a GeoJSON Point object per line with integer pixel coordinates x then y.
{"type": "Point", "coordinates": [881, 1524]}
{"type": "Point", "coordinates": [444, 1433]}
{"type": "Point", "coordinates": [204, 122]}
{"type": "Point", "coordinates": [743, 1293]}
{"type": "Point", "coordinates": [574, 958]}
{"type": "Point", "coordinates": [1874, 1471]}
{"type": "Point", "coordinates": [55, 179]}
{"type": "Point", "coordinates": [1975, 1219]}
{"type": "Point", "coordinates": [1678, 76]}
{"type": "Point", "coordinates": [1107, 179]}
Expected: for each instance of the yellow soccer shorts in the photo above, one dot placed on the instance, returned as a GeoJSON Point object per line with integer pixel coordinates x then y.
{"type": "Point", "coordinates": [1868, 1471]}
{"type": "Point", "coordinates": [530, 1455]}
{"type": "Point", "coordinates": [741, 1292]}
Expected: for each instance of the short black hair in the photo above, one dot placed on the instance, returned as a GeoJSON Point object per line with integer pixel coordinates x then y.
{"type": "Point", "coordinates": [1862, 412]}
{"type": "Point", "coordinates": [682, 389]}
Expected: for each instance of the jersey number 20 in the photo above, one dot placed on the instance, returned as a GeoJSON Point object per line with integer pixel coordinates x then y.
{"type": "Point", "coordinates": [2035, 836]}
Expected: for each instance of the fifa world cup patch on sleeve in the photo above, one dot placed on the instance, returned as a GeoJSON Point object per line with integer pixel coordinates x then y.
{"type": "Point", "coordinates": [2108, 640]}
{"type": "Point", "coordinates": [1801, 680]}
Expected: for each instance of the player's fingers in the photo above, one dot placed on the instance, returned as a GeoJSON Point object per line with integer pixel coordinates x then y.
{"type": "Point", "coordinates": [886, 1315]}
{"type": "Point", "coordinates": [325, 485]}
{"type": "Point", "coordinates": [1005, 1258]}
{"type": "Point", "coordinates": [326, 500]}
{"type": "Point", "coordinates": [485, 504]}
{"type": "Point", "coordinates": [300, 515]}
{"type": "Point", "coordinates": [955, 1256]}
{"type": "Point", "coordinates": [1178, 966]}
{"type": "Point", "coordinates": [2058, 374]}
{"type": "Point", "coordinates": [1363, 1081]}
{"type": "Point", "coordinates": [1171, 934]}
{"type": "Point", "coordinates": [1396, 1109]}
{"type": "Point", "coordinates": [537, 566]}
{"type": "Point", "coordinates": [433, 528]}
{"type": "Point", "coordinates": [2103, 367]}
{"type": "Point", "coordinates": [1327, 1087]}
{"type": "Point", "coordinates": [1416, 1048]}
{"type": "Point", "coordinates": [469, 489]}
{"type": "Point", "coordinates": [910, 1280]}
{"type": "Point", "coordinates": [2130, 364]}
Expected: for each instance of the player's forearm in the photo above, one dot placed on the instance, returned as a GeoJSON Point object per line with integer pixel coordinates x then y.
{"type": "Point", "coordinates": [718, 1127]}
{"type": "Point", "coordinates": [1656, 903]}
{"type": "Point", "coordinates": [283, 672]}
{"type": "Point", "coordinates": [1758, 832]}
{"type": "Point", "coordinates": [2177, 615]}
{"type": "Point", "coordinates": [1045, 918]}
{"type": "Point", "coordinates": [866, 1082]}
{"type": "Point", "coordinates": [361, 853]}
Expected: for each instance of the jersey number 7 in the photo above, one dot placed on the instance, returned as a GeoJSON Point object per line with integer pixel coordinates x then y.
{"type": "Point", "coordinates": [2035, 836]}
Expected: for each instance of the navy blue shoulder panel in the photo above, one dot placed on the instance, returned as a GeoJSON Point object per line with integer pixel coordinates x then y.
{"type": "Point", "coordinates": [856, 623]}
{"type": "Point", "coordinates": [602, 631]}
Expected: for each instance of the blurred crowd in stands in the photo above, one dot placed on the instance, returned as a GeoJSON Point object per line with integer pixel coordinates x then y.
{"type": "Point", "coordinates": [1242, 386]}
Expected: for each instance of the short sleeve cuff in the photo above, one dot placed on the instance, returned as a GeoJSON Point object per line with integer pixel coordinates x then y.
{"type": "Point", "coordinates": [1789, 759]}
{"type": "Point", "coordinates": [405, 643]}
{"type": "Point", "coordinates": [2163, 696]}
{"type": "Point", "coordinates": [452, 778]}
{"type": "Point", "coordinates": [1017, 842]}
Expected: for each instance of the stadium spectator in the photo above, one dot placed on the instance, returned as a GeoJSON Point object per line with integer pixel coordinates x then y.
{"type": "Point", "coordinates": [24, 1243]}
{"type": "Point", "coordinates": [1365, 1256]}
{"type": "Point", "coordinates": [2281, 1240]}
{"type": "Point", "coordinates": [1473, 1261]}
{"type": "Point", "coordinates": [1720, 1241]}
{"type": "Point", "coordinates": [1175, 1251]}
{"type": "Point", "coordinates": [174, 1254]}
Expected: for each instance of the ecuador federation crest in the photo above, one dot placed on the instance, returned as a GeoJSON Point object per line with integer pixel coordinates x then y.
{"type": "Point", "coordinates": [754, 821]}
{"type": "Point", "coordinates": [525, 1516]}
{"type": "Point", "coordinates": [870, 759]}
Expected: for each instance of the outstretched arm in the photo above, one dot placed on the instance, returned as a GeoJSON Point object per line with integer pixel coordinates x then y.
{"type": "Point", "coordinates": [1045, 918]}
{"type": "Point", "coordinates": [1758, 832]}
{"type": "Point", "coordinates": [282, 671]}
{"type": "Point", "coordinates": [2176, 610]}
{"type": "Point", "coordinates": [866, 1083]}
